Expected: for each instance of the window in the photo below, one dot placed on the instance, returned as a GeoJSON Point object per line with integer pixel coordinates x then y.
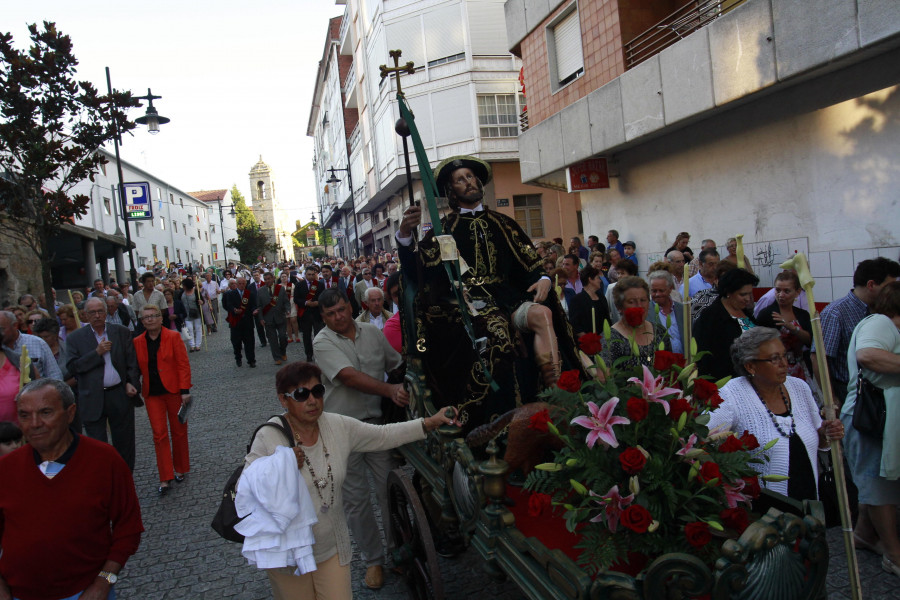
{"type": "Point", "coordinates": [171, 199]}
{"type": "Point", "coordinates": [529, 214]}
{"type": "Point", "coordinates": [206, 235]}
{"type": "Point", "coordinates": [139, 229]}
{"type": "Point", "coordinates": [447, 59]}
{"type": "Point", "coordinates": [178, 254]}
{"type": "Point", "coordinates": [153, 246]}
{"type": "Point", "coordinates": [103, 168]}
{"type": "Point", "coordinates": [215, 250]}
{"type": "Point", "coordinates": [162, 223]}
{"type": "Point", "coordinates": [497, 115]}
{"type": "Point", "coordinates": [564, 48]}
{"type": "Point", "coordinates": [212, 229]}
{"type": "Point", "coordinates": [166, 249]}
{"type": "Point", "coordinates": [580, 222]}
{"type": "Point", "coordinates": [181, 202]}
{"type": "Point", "coordinates": [107, 206]}
{"type": "Point", "coordinates": [175, 226]}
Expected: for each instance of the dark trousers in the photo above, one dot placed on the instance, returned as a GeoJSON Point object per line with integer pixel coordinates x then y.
{"type": "Point", "coordinates": [261, 332]}
{"type": "Point", "coordinates": [118, 411]}
{"type": "Point", "coordinates": [277, 336]}
{"type": "Point", "coordinates": [242, 334]}
{"type": "Point", "coordinates": [309, 327]}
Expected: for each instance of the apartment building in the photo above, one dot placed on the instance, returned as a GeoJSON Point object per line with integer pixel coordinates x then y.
{"type": "Point", "coordinates": [466, 97]}
{"type": "Point", "coordinates": [775, 119]}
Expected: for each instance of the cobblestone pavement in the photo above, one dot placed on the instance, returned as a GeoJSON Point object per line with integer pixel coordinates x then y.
{"type": "Point", "coordinates": [181, 557]}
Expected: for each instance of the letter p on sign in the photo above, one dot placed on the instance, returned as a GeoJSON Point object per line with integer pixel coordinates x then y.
{"type": "Point", "coordinates": [138, 205]}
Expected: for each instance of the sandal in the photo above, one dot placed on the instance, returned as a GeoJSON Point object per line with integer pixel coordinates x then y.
{"type": "Point", "coordinates": [163, 489]}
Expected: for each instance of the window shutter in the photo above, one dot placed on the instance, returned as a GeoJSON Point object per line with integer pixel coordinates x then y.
{"type": "Point", "coordinates": [567, 39]}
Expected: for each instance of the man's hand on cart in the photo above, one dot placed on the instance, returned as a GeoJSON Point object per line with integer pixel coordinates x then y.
{"type": "Point", "coordinates": [399, 395]}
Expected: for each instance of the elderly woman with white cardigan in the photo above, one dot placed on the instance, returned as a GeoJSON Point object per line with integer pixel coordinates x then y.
{"type": "Point", "coordinates": [772, 406]}
{"type": "Point", "coordinates": [324, 442]}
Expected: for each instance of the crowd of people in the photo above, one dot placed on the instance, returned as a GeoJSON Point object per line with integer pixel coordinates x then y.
{"type": "Point", "coordinates": [97, 354]}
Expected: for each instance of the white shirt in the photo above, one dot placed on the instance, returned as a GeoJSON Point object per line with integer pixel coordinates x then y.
{"type": "Point", "coordinates": [110, 375]}
{"type": "Point", "coordinates": [211, 288]}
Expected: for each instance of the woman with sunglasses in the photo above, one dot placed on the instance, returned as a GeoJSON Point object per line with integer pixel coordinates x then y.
{"type": "Point", "coordinates": [323, 443]}
{"type": "Point", "coordinates": [769, 404]}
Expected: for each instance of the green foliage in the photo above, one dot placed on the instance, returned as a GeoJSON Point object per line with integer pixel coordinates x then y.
{"type": "Point", "coordinates": [667, 484]}
{"type": "Point", "coordinates": [50, 128]}
{"type": "Point", "coordinates": [243, 215]}
{"type": "Point", "coordinates": [250, 243]}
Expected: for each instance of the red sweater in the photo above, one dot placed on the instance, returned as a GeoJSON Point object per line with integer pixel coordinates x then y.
{"type": "Point", "coordinates": [57, 533]}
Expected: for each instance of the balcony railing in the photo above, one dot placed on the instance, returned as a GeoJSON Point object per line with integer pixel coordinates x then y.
{"type": "Point", "coordinates": [350, 80]}
{"type": "Point", "coordinates": [680, 24]}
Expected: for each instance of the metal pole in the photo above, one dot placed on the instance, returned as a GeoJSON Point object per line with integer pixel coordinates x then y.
{"type": "Point", "coordinates": [222, 227]}
{"type": "Point", "coordinates": [133, 273]}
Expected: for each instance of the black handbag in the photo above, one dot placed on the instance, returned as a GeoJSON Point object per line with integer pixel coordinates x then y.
{"type": "Point", "coordinates": [869, 413]}
{"type": "Point", "coordinates": [828, 490]}
{"type": "Point", "coordinates": [226, 517]}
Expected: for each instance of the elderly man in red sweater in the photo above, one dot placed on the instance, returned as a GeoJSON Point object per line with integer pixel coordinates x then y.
{"type": "Point", "coordinates": [69, 514]}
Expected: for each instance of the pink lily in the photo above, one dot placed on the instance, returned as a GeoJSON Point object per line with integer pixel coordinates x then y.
{"type": "Point", "coordinates": [653, 390]}
{"type": "Point", "coordinates": [733, 493]}
{"type": "Point", "coordinates": [601, 423]}
{"type": "Point", "coordinates": [612, 504]}
{"type": "Point", "coordinates": [688, 445]}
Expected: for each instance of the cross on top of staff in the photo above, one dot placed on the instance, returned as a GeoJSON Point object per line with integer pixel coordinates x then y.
{"type": "Point", "coordinates": [387, 71]}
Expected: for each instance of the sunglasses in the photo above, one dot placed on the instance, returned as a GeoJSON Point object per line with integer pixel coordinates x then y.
{"type": "Point", "coordinates": [302, 394]}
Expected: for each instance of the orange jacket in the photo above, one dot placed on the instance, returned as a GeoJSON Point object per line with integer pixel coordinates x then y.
{"type": "Point", "coordinates": [171, 361]}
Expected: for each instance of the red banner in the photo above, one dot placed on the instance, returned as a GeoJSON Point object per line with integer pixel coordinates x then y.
{"type": "Point", "coordinates": [588, 175]}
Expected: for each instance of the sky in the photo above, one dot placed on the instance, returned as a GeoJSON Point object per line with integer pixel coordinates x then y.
{"type": "Point", "coordinates": [236, 80]}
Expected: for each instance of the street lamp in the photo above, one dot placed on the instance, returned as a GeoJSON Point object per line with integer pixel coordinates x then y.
{"type": "Point", "coordinates": [153, 121]}
{"type": "Point", "coordinates": [333, 180]}
{"type": "Point", "coordinates": [222, 228]}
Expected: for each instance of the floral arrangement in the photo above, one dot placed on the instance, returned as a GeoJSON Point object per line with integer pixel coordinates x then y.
{"type": "Point", "coordinates": [639, 472]}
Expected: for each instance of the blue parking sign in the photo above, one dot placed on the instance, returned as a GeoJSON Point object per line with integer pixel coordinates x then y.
{"type": "Point", "coordinates": [137, 202]}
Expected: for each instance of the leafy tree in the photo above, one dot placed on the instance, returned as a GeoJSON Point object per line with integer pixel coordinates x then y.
{"type": "Point", "coordinates": [250, 243]}
{"type": "Point", "coordinates": [50, 129]}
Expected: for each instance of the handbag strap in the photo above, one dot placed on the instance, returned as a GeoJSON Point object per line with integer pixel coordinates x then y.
{"type": "Point", "coordinates": [284, 428]}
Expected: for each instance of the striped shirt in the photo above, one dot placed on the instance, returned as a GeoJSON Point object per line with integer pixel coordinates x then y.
{"type": "Point", "coordinates": [40, 353]}
{"type": "Point", "coordinates": [839, 319]}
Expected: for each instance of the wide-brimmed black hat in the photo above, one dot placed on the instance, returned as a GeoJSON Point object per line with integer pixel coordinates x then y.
{"type": "Point", "coordinates": [445, 169]}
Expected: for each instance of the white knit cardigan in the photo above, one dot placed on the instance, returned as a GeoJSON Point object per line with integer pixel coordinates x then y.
{"type": "Point", "coordinates": [342, 435]}
{"type": "Point", "coordinates": [741, 409]}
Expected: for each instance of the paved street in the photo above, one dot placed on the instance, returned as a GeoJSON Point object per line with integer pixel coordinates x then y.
{"type": "Point", "coordinates": [181, 557]}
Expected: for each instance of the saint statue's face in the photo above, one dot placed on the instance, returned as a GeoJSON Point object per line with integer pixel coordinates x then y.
{"type": "Point", "coordinates": [466, 187]}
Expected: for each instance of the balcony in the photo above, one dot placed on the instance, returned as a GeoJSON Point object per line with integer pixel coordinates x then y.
{"type": "Point", "coordinates": [346, 37]}
{"type": "Point", "coordinates": [349, 88]}
{"type": "Point", "coordinates": [677, 26]}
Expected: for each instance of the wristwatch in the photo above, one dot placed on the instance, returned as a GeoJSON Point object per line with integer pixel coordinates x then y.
{"type": "Point", "coordinates": [112, 578]}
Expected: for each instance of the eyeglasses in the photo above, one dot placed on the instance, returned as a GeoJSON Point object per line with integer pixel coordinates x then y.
{"type": "Point", "coordinates": [33, 321]}
{"type": "Point", "coordinates": [775, 360]}
{"type": "Point", "coordinates": [302, 394]}
{"type": "Point", "coordinates": [150, 317]}
{"type": "Point", "coordinates": [95, 312]}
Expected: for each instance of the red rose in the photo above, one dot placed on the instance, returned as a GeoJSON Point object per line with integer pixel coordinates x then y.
{"type": "Point", "coordinates": [751, 486]}
{"type": "Point", "coordinates": [569, 381]}
{"type": "Point", "coordinates": [707, 392]}
{"type": "Point", "coordinates": [539, 420]}
{"type": "Point", "coordinates": [634, 316]}
{"type": "Point", "coordinates": [749, 440]}
{"type": "Point", "coordinates": [537, 503]}
{"type": "Point", "coordinates": [637, 409]}
{"type": "Point", "coordinates": [679, 406]}
{"type": "Point", "coordinates": [632, 460]}
{"type": "Point", "coordinates": [697, 534]}
{"type": "Point", "coordinates": [636, 518]}
{"type": "Point", "coordinates": [710, 471]}
{"type": "Point", "coordinates": [591, 343]}
{"type": "Point", "coordinates": [732, 444]}
{"type": "Point", "coordinates": [735, 518]}
{"type": "Point", "coordinates": [663, 360]}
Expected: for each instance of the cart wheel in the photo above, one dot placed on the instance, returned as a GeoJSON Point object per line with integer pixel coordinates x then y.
{"type": "Point", "coordinates": [414, 554]}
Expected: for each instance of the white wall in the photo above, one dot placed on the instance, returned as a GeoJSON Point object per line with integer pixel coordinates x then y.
{"type": "Point", "coordinates": [194, 214]}
{"type": "Point", "coordinates": [773, 173]}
